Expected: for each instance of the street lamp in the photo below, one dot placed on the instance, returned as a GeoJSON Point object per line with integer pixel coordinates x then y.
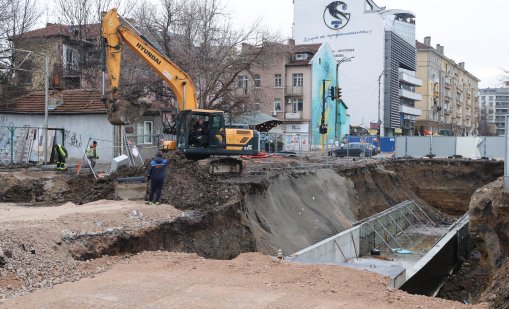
{"type": "Point", "coordinates": [340, 61]}
{"type": "Point", "coordinates": [46, 95]}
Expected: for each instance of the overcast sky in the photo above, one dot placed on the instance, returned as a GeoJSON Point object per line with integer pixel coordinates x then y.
{"type": "Point", "coordinates": [473, 32]}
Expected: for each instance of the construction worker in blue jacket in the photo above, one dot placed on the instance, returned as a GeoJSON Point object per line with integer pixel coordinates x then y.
{"type": "Point", "coordinates": [61, 153]}
{"type": "Point", "coordinates": [156, 173]}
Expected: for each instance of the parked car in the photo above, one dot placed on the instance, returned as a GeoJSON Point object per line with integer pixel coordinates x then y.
{"type": "Point", "coordinates": [355, 150]}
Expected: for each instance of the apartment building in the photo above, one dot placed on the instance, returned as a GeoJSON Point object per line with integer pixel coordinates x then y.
{"type": "Point", "coordinates": [494, 106]}
{"type": "Point", "coordinates": [288, 84]}
{"type": "Point", "coordinates": [449, 93]}
{"type": "Point", "coordinates": [379, 82]}
{"type": "Point", "coordinates": [73, 57]}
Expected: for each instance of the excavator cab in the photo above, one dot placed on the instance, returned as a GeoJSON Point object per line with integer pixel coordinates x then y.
{"type": "Point", "coordinates": [201, 133]}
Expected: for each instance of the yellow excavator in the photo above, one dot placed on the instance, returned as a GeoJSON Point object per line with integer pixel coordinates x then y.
{"type": "Point", "coordinates": [201, 133]}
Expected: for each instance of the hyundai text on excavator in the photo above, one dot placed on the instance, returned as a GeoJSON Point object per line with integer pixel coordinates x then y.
{"type": "Point", "coordinates": [201, 133]}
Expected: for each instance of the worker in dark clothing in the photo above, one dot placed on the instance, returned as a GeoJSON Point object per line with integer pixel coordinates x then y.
{"type": "Point", "coordinates": [156, 173]}
{"type": "Point", "coordinates": [61, 153]}
{"type": "Point", "coordinates": [201, 133]}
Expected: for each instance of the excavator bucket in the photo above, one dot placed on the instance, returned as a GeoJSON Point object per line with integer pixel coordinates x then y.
{"type": "Point", "coordinates": [124, 112]}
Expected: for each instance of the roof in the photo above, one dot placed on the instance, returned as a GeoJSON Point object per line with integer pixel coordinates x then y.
{"type": "Point", "coordinates": [420, 45]}
{"type": "Point", "coordinates": [91, 31]}
{"type": "Point", "coordinates": [301, 49]}
{"type": "Point", "coordinates": [261, 121]}
{"type": "Point", "coordinates": [309, 48]}
{"type": "Point", "coordinates": [76, 101]}
{"type": "Point", "coordinates": [69, 102]}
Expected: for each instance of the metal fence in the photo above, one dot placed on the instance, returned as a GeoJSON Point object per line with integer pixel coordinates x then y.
{"type": "Point", "coordinates": [474, 147]}
{"type": "Point", "coordinates": [25, 144]}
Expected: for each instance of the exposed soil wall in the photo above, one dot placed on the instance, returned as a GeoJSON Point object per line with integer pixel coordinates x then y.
{"type": "Point", "coordinates": [295, 210]}
{"type": "Point", "coordinates": [217, 234]}
{"type": "Point", "coordinates": [489, 227]}
{"type": "Point", "coordinates": [446, 185]}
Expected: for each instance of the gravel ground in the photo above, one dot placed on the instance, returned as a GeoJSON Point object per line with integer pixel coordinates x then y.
{"type": "Point", "coordinates": [179, 280]}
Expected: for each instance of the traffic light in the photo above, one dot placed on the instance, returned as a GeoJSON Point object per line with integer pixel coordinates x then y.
{"type": "Point", "coordinates": [332, 93]}
{"type": "Point", "coordinates": [338, 93]}
{"type": "Point", "coordinates": [323, 129]}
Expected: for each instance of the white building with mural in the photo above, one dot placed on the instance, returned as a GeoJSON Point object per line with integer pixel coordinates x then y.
{"type": "Point", "coordinates": [376, 51]}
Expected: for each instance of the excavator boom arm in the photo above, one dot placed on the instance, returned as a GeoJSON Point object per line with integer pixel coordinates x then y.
{"type": "Point", "coordinates": [115, 31]}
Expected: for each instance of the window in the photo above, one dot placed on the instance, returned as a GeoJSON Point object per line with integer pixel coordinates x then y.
{"type": "Point", "coordinates": [68, 56]}
{"type": "Point", "coordinates": [301, 56]}
{"type": "Point", "coordinates": [277, 105]}
{"type": "Point", "coordinates": [144, 132]}
{"type": "Point", "coordinates": [257, 81]}
{"type": "Point", "coordinates": [242, 81]}
{"type": "Point", "coordinates": [298, 79]}
{"type": "Point", "coordinates": [278, 82]}
{"type": "Point", "coordinates": [297, 105]}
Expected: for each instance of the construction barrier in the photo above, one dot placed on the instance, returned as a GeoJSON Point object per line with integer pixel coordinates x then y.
{"type": "Point", "coordinates": [474, 147]}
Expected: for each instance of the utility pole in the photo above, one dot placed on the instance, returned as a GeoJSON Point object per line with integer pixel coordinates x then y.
{"type": "Point", "coordinates": [46, 95]}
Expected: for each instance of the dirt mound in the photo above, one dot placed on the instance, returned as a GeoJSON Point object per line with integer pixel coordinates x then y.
{"type": "Point", "coordinates": [32, 186]}
{"type": "Point", "coordinates": [489, 227]}
{"type": "Point", "coordinates": [189, 186]}
{"type": "Point", "coordinates": [489, 217]}
{"type": "Point", "coordinates": [497, 293]}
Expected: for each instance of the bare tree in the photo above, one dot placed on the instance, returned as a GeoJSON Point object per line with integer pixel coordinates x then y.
{"type": "Point", "coordinates": [199, 36]}
{"type": "Point", "coordinates": [84, 17]}
{"type": "Point", "coordinates": [16, 18]}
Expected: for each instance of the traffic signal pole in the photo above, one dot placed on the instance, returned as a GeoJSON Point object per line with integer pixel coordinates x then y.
{"type": "Point", "coordinates": [323, 128]}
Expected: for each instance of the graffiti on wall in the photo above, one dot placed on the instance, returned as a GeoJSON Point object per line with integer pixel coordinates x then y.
{"type": "Point", "coordinates": [323, 70]}
{"type": "Point", "coordinates": [73, 139]}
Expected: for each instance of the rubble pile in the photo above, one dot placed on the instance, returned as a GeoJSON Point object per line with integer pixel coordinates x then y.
{"type": "Point", "coordinates": [189, 186]}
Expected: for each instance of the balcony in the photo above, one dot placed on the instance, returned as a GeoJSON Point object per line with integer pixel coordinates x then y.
{"type": "Point", "coordinates": [447, 110]}
{"type": "Point", "coordinates": [447, 85]}
{"type": "Point", "coordinates": [291, 116]}
{"type": "Point", "coordinates": [436, 94]}
{"type": "Point", "coordinates": [71, 70]}
{"type": "Point", "coordinates": [294, 91]}
{"type": "Point", "coordinates": [447, 98]}
{"type": "Point", "coordinates": [410, 95]}
{"type": "Point", "coordinates": [410, 110]}
{"type": "Point", "coordinates": [409, 79]}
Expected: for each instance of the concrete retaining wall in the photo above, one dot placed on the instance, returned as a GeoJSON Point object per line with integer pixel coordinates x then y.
{"type": "Point", "coordinates": [336, 249]}
{"type": "Point", "coordinates": [427, 276]}
{"type": "Point", "coordinates": [360, 239]}
{"type": "Point", "coordinates": [388, 221]}
{"type": "Point", "coordinates": [424, 277]}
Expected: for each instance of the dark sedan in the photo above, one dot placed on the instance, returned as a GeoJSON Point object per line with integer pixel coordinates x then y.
{"type": "Point", "coordinates": [355, 150]}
